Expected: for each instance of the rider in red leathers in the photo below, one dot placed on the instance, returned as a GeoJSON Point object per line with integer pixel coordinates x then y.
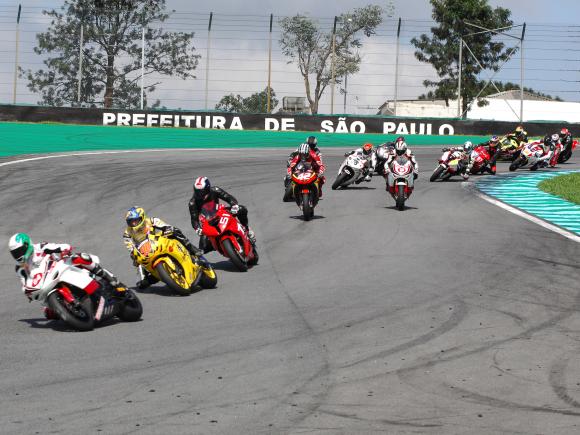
{"type": "Point", "coordinates": [307, 155]}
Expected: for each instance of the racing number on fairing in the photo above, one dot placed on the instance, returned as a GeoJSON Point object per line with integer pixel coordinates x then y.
{"type": "Point", "coordinates": [224, 220]}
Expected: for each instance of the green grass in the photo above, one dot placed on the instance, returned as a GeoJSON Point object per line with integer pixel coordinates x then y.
{"type": "Point", "coordinates": [564, 186]}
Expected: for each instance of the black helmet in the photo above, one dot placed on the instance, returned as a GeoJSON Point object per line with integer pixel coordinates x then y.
{"type": "Point", "coordinates": [201, 187]}
{"type": "Point", "coordinates": [547, 139]}
{"type": "Point", "coordinates": [311, 141]}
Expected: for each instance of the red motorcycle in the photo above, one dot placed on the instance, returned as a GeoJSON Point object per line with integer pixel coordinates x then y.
{"type": "Point", "coordinates": [228, 236]}
{"type": "Point", "coordinates": [305, 188]}
{"type": "Point", "coordinates": [480, 157]}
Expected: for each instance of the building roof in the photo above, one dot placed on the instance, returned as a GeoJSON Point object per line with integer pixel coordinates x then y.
{"type": "Point", "coordinates": [514, 94]}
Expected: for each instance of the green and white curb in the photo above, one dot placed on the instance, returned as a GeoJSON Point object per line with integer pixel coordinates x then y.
{"type": "Point", "coordinates": [520, 192]}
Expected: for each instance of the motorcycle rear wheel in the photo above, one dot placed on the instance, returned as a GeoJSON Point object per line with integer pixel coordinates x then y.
{"type": "Point", "coordinates": [234, 256]}
{"type": "Point", "coordinates": [208, 278]}
{"type": "Point", "coordinates": [436, 173]}
{"type": "Point", "coordinates": [84, 322]}
{"type": "Point", "coordinates": [165, 276]}
{"type": "Point", "coordinates": [130, 309]}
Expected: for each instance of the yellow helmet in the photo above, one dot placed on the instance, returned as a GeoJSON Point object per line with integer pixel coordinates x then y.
{"type": "Point", "coordinates": [137, 220]}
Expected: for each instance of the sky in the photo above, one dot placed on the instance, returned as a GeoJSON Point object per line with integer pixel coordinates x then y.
{"type": "Point", "coordinates": [239, 50]}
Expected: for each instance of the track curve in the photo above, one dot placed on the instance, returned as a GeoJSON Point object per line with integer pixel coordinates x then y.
{"type": "Point", "coordinates": [453, 316]}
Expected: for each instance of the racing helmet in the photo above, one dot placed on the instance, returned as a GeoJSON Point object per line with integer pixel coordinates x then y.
{"type": "Point", "coordinates": [400, 147]}
{"type": "Point", "coordinates": [519, 129]}
{"type": "Point", "coordinates": [468, 147]}
{"type": "Point", "coordinates": [312, 142]}
{"type": "Point", "coordinates": [564, 132]}
{"type": "Point", "coordinates": [20, 247]}
{"type": "Point", "coordinates": [201, 188]}
{"type": "Point", "coordinates": [367, 148]}
{"type": "Point", "coordinates": [494, 140]}
{"type": "Point", "coordinates": [400, 139]}
{"type": "Point", "coordinates": [547, 139]}
{"type": "Point", "coordinates": [304, 150]}
{"type": "Point", "coordinates": [136, 219]}
{"type": "Point", "coordinates": [555, 138]}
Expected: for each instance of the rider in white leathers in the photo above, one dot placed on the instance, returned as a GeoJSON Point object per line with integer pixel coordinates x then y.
{"type": "Point", "coordinates": [400, 150]}
{"type": "Point", "coordinates": [367, 154]}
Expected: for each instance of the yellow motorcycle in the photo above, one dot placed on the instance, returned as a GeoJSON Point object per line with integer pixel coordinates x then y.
{"type": "Point", "coordinates": [510, 148]}
{"type": "Point", "coordinates": [169, 261]}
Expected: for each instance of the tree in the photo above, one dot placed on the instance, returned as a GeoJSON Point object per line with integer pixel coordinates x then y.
{"type": "Point", "coordinates": [255, 103]}
{"type": "Point", "coordinates": [310, 47]}
{"type": "Point", "coordinates": [112, 32]}
{"type": "Point", "coordinates": [441, 48]}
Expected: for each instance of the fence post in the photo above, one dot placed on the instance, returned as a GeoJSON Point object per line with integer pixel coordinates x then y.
{"type": "Point", "coordinates": [522, 74]}
{"type": "Point", "coordinates": [459, 78]}
{"type": "Point", "coordinates": [332, 66]}
{"type": "Point", "coordinates": [16, 55]}
{"type": "Point", "coordinates": [80, 74]}
{"type": "Point", "coordinates": [397, 68]}
{"type": "Point", "coordinates": [142, 66]}
{"type": "Point", "coordinates": [268, 108]}
{"type": "Point", "coordinates": [207, 59]}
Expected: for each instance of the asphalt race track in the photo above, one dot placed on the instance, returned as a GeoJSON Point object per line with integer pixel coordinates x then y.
{"type": "Point", "coordinates": [451, 317]}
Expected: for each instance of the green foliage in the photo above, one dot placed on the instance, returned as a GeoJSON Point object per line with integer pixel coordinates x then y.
{"type": "Point", "coordinates": [441, 48]}
{"type": "Point", "coordinates": [255, 103]}
{"type": "Point", "coordinates": [111, 52]}
{"type": "Point", "coordinates": [310, 47]}
{"type": "Point", "coordinates": [565, 186]}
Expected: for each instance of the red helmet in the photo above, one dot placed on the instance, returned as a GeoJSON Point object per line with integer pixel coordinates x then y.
{"type": "Point", "coordinates": [564, 132]}
{"type": "Point", "coordinates": [367, 148]}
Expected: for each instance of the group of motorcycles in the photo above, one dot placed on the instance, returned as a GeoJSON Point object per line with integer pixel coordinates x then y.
{"type": "Point", "coordinates": [82, 300]}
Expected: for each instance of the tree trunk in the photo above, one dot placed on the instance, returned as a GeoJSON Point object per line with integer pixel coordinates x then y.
{"type": "Point", "coordinates": [108, 103]}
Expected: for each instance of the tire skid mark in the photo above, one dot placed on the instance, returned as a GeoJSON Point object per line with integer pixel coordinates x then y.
{"type": "Point", "coordinates": [404, 422]}
{"type": "Point", "coordinates": [557, 380]}
{"type": "Point", "coordinates": [505, 404]}
{"type": "Point", "coordinates": [457, 316]}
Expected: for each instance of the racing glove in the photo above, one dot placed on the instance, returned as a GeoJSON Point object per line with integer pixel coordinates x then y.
{"type": "Point", "coordinates": [235, 209]}
{"type": "Point", "coordinates": [168, 230]}
{"type": "Point", "coordinates": [199, 232]}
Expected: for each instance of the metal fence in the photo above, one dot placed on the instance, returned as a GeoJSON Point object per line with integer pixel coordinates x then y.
{"type": "Point", "coordinates": [238, 58]}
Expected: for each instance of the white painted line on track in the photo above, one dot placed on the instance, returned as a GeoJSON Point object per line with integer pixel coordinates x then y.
{"type": "Point", "coordinates": [522, 214]}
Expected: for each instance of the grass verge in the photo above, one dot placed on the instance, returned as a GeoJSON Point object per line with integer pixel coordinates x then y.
{"type": "Point", "coordinates": [564, 186]}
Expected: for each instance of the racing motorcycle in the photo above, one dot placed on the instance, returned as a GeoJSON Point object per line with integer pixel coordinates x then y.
{"type": "Point", "coordinates": [400, 180]}
{"type": "Point", "coordinates": [567, 152]}
{"type": "Point", "coordinates": [228, 236]}
{"type": "Point", "coordinates": [509, 149]}
{"type": "Point", "coordinates": [529, 156]}
{"type": "Point", "coordinates": [382, 154]}
{"type": "Point", "coordinates": [169, 261]}
{"type": "Point", "coordinates": [449, 165]}
{"type": "Point", "coordinates": [351, 171]}
{"type": "Point", "coordinates": [480, 157]}
{"type": "Point", "coordinates": [305, 188]}
{"type": "Point", "coordinates": [79, 299]}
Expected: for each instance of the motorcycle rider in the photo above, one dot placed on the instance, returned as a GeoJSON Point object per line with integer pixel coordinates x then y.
{"type": "Point", "coordinates": [206, 195]}
{"type": "Point", "coordinates": [312, 143]}
{"type": "Point", "coordinates": [367, 154]}
{"type": "Point", "coordinates": [463, 154]}
{"type": "Point", "coordinates": [548, 144]}
{"type": "Point", "coordinates": [401, 149]}
{"type": "Point", "coordinates": [566, 140]}
{"type": "Point", "coordinates": [138, 226]}
{"type": "Point", "coordinates": [28, 255]}
{"type": "Point", "coordinates": [307, 155]}
{"type": "Point", "coordinates": [494, 150]}
{"type": "Point", "coordinates": [519, 135]}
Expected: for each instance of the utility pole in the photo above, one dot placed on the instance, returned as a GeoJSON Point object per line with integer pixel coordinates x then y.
{"type": "Point", "coordinates": [459, 77]}
{"type": "Point", "coordinates": [207, 59]}
{"type": "Point", "coordinates": [332, 80]}
{"type": "Point", "coordinates": [522, 74]}
{"type": "Point", "coordinates": [397, 69]}
{"type": "Point", "coordinates": [269, 64]}
{"type": "Point", "coordinates": [16, 55]}
{"type": "Point", "coordinates": [142, 66]}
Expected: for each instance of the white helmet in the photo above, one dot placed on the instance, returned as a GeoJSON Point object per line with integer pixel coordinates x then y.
{"type": "Point", "coordinates": [304, 149]}
{"type": "Point", "coordinates": [400, 148]}
{"type": "Point", "coordinates": [468, 147]}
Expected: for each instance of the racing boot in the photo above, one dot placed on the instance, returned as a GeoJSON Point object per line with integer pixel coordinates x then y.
{"type": "Point", "coordinates": [146, 279]}
{"type": "Point", "coordinates": [193, 251]}
{"type": "Point", "coordinates": [287, 193]}
{"type": "Point", "coordinates": [118, 287]}
{"type": "Point", "coordinates": [251, 236]}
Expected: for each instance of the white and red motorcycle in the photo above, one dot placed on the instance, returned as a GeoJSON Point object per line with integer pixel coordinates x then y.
{"type": "Point", "coordinates": [351, 171]}
{"type": "Point", "coordinates": [77, 297]}
{"type": "Point", "coordinates": [529, 157]}
{"type": "Point", "coordinates": [400, 180]}
{"type": "Point", "coordinates": [449, 165]}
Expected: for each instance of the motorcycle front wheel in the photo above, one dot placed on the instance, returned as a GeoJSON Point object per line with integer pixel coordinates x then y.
{"type": "Point", "coordinates": [307, 209]}
{"type": "Point", "coordinates": [171, 278]}
{"type": "Point", "coordinates": [131, 309]}
{"type": "Point", "coordinates": [400, 200]}
{"type": "Point", "coordinates": [234, 256]}
{"type": "Point", "coordinates": [515, 164]}
{"type": "Point", "coordinates": [79, 316]}
{"type": "Point", "coordinates": [437, 173]}
{"type": "Point", "coordinates": [339, 180]}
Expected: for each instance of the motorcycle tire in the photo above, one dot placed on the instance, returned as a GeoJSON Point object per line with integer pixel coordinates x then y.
{"type": "Point", "coordinates": [208, 278]}
{"type": "Point", "coordinates": [515, 164]}
{"type": "Point", "coordinates": [307, 210]}
{"type": "Point", "coordinates": [436, 173]}
{"type": "Point", "coordinates": [234, 256]}
{"type": "Point", "coordinates": [400, 200]}
{"type": "Point", "coordinates": [165, 276]}
{"type": "Point", "coordinates": [564, 157]}
{"type": "Point", "coordinates": [339, 180]}
{"type": "Point", "coordinates": [130, 309]}
{"type": "Point", "coordinates": [84, 322]}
